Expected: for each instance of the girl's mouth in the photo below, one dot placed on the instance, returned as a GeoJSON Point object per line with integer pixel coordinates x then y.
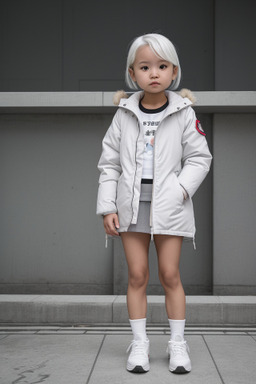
{"type": "Point", "coordinates": [154, 83]}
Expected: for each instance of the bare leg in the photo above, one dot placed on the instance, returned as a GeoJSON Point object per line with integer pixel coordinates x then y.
{"type": "Point", "coordinates": [136, 246]}
{"type": "Point", "coordinates": [168, 251]}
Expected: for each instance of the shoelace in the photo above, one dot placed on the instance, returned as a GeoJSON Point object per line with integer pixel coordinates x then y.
{"type": "Point", "coordinates": [178, 348]}
{"type": "Point", "coordinates": [137, 347]}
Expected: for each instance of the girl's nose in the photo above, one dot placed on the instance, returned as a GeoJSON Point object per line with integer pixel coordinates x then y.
{"type": "Point", "coordinates": [154, 73]}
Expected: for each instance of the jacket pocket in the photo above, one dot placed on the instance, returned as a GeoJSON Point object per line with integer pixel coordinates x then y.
{"type": "Point", "coordinates": [177, 195]}
{"type": "Point", "coordinates": [123, 202]}
{"type": "Point", "coordinates": [120, 193]}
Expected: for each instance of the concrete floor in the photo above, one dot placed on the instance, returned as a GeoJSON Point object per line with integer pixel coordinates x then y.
{"type": "Point", "coordinates": [90, 355]}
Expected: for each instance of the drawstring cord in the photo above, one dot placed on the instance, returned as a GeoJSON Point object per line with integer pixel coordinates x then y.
{"type": "Point", "coordinates": [194, 243]}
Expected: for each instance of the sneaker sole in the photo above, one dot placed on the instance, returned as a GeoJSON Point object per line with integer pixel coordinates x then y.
{"type": "Point", "coordinates": [179, 370]}
{"type": "Point", "coordinates": [138, 369]}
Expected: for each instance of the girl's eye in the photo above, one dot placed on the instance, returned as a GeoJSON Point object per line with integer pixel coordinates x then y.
{"type": "Point", "coordinates": [163, 66]}
{"type": "Point", "coordinates": [144, 68]}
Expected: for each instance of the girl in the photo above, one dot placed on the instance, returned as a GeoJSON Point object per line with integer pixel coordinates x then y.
{"type": "Point", "coordinates": [154, 158]}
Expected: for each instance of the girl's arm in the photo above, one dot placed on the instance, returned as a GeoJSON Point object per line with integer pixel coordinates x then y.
{"type": "Point", "coordinates": [110, 169]}
{"type": "Point", "coordinates": [196, 157]}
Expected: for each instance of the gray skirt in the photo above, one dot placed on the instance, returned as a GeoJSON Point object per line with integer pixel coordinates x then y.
{"type": "Point", "coordinates": [143, 220]}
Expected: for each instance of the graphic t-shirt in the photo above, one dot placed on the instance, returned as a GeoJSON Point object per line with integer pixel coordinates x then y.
{"type": "Point", "coordinates": [150, 119]}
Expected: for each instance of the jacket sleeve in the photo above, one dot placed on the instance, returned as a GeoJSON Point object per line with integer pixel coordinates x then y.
{"type": "Point", "coordinates": [110, 169]}
{"type": "Point", "coordinates": [196, 159]}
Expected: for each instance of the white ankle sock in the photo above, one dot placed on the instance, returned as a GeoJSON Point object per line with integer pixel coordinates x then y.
{"type": "Point", "coordinates": [139, 329]}
{"type": "Point", "coordinates": [177, 329]}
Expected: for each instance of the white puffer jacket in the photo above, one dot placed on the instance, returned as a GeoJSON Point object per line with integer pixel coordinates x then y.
{"type": "Point", "coordinates": [181, 158]}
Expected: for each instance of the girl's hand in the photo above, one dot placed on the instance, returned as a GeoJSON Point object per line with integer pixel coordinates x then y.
{"type": "Point", "coordinates": [110, 223]}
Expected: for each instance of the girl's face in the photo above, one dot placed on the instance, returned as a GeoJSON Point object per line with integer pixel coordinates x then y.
{"type": "Point", "coordinates": [152, 73]}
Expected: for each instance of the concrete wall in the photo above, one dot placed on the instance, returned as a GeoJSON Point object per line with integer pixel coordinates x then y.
{"type": "Point", "coordinates": [50, 239]}
{"type": "Point", "coordinates": [77, 45]}
{"type": "Point", "coordinates": [235, 56]}
{"type": "Point", "coordinates": [81, 46]}
{"type": "Point", "coordinates": [64, 45]}
{"type": "Point", "coordinates": [234, 201]}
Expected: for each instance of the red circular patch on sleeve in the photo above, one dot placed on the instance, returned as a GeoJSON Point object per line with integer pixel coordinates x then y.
{"type": "Point", "coordinates": [199, 128]}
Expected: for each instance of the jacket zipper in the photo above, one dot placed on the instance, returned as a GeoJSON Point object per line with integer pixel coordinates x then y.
{"type": "Point", "coordinates": [152, 197]}
{"type": "Point", "coordinates": [134, 179]}
{"type": "Point", "coordinates": [151, 214]}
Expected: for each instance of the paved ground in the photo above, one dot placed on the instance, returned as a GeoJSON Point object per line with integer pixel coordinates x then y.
{"type": "Point", "coordinates": [87, 355]}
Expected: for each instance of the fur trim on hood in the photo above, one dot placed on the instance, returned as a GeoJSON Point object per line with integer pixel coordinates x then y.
{"type": "Point", "coordinates": [184, 92]}
{"type": "Point", "coordinates": [118, 96]}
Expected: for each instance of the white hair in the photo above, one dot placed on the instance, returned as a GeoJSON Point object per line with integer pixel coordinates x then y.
{"type": "Point", "coordinates": [162, 47]}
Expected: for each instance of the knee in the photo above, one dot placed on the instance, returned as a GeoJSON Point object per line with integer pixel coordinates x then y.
{"type": "Point", "coordinates": [138, 279]}
{"type": "Point", "coordinates": [170, 279]}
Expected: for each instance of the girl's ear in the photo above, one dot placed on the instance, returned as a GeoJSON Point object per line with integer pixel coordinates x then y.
{"type": "Point", "coordinates": [175, 72]}
{"type": "Point", "coordinates": [131, 73]}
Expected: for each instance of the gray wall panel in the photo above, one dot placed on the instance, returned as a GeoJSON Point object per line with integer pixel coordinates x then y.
{"type": "Point", "coordinates": [81, 46]}
{"type": "Point", "coordinates": [63, 45]}
{"type": "Point", "coordinates": [234, 203]}
{"type": "Point", "coordinates": [96, 39]}
{"type": "Point", "coordinates": [31, 42]}
{"type": "Point", "coordinates": [48, 227]}
{"type": "Point", "coordinates": [235, 55]}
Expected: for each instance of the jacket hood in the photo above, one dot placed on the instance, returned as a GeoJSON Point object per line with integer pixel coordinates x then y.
{"type": "Point", "coordinates": [184, 93]}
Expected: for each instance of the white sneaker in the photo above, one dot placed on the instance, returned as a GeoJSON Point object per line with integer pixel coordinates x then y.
{"type": "Point", "coordinates": [138, 360]}
{"type": "Point", "coordinates": [179, 359]}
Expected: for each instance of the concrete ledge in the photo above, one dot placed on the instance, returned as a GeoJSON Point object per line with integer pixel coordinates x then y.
{"type": "Point", "coordinates": [107, 309]}
{"type": "Point", "coordinates": [102, 102]}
